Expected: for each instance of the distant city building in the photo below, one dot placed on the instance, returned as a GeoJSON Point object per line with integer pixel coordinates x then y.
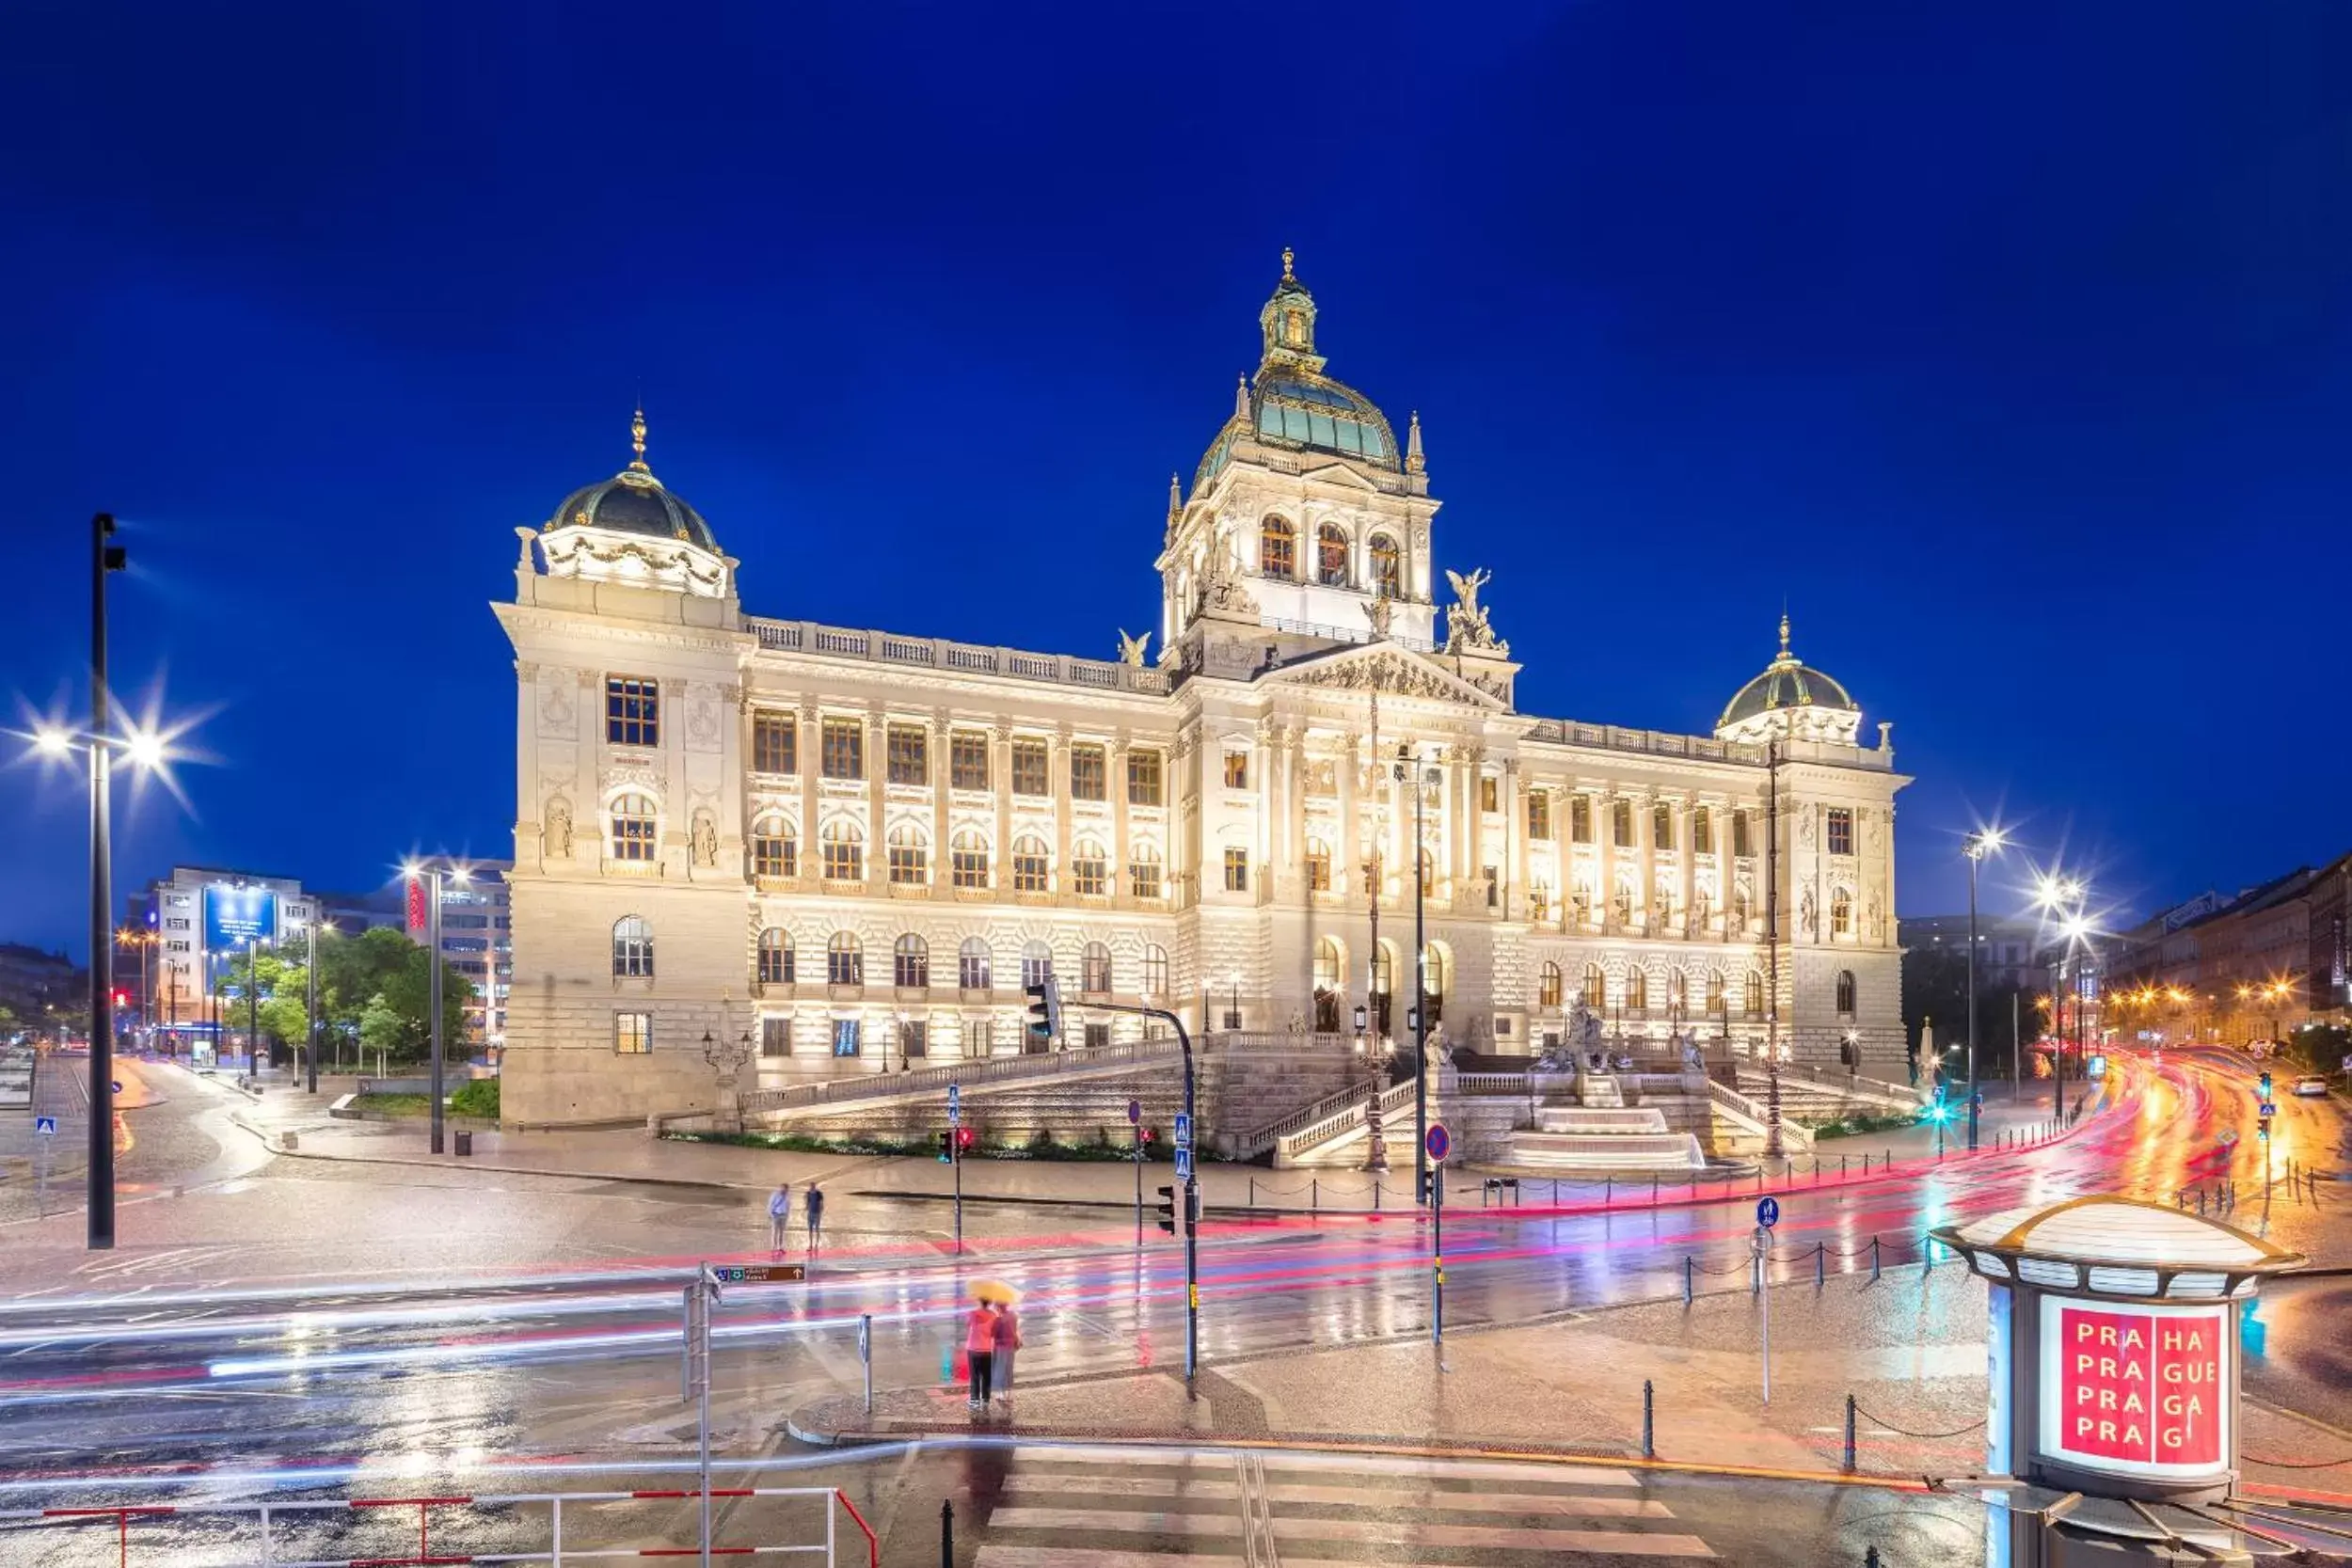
{"type": "Point", "coordinates": [202, 920]}
{"type": "Point", "coordinates": [42, 990]}
{"type": "Point", "coordinates": [2007, 949]}
{"type": "Point", "coordinates": [350, 913]}
{"type": "Point", "coordinates": [2237, 967]}
{"type": "Point", "coordinates": [476, 941]}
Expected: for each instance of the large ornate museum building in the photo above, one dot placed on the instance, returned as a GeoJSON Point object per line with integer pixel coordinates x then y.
{"type": "Point", "coordinates": [851, 848]}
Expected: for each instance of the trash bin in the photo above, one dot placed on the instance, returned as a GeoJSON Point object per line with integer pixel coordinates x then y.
{"type": "Point", "coordinates": [464, 1144]}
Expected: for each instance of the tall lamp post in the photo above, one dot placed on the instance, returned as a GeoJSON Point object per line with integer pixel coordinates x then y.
{"type": "Point", "coordinates": [314, 937]}
{"type": "Point", "coordinates": [1985, 841]}
{"type": "Point", "coordinates": [432, 875]}
{"type": "Point", "coordinates": [253, 1006]}
{"type": "Point", "coordinates": [1407, 766]}
{"type": "Point", "coordinates": [2062, 896]}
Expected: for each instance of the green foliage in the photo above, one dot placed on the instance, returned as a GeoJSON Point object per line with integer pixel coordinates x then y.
{"type": "Point", "coordinates": [378, 985]}
{"type": "Point", "coordinates": [476, 1098]}
{"type": "Point", "coordinates": [1038, 1147]}
{"type": "Point", "coordinates": [1858, 1124]}
{"type": "Point", "coordinates": [393, 1104]}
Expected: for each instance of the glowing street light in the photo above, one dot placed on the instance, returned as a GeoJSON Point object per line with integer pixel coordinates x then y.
{"type": "Point", "coordinates": [433, 874]}
{"type": "Point", "coordinates": [1983, 842]}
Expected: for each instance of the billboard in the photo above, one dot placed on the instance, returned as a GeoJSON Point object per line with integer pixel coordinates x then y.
{"type": "Point", "coordinates": [2135, 1390]}
{"type": "Point", "coordinates": [233, 913]}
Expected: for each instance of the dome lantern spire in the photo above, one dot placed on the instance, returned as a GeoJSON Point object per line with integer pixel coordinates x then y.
{"type": "Point", "coordinates": [1288, 276]}
{"type": "Point", "coordinates": [637, 442]}
{"type": "Point", "coordinates": [1783, 634]}
{"type": "Point", "coordinates": [1288, 321]}
{"type": "Point", "coordinates": [1414, 462]}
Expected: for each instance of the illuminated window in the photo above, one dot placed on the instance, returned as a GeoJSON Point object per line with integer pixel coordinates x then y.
{"type": "Point", "coordinates": [632, 1034]}
{"type": "Point", "coordinates": [775, 743]}
{"type": "Point", "coordinates": [1388, 568]}
{"type": "Point", "coordinates": [910, 755]}
{"type": "Point", "coordinates": [847, 1039]}
{"type": "Point", "coordinates": [1327, 965]}
{"type": "Point", "coordinates": [1036, 963]}
{"type": "Point", "coordinates": [1094, 970]}
{"type": "Point", "coordinates": [1752, 995]}
{"type": "Point", "coordinates": [1155, 970]}
{"type": "Point", "coordinates": [1740, 834]}
{"type": "Point", "coordinates": [775, 957]}
{"type": "Point", "coordinates": [633, 828]}
{"type": "Point", "coordinates": [1636, 989]}
{"type": "Point", "coordinates": [1840, 832]}
{"type": "Point", "coordinates": [1715, 991]}
{"type": "Point", "coordinates": [1237, 871]}
{"type": "Point", "coordinates": [1662, 827]}
{"type": "Point", "coordinates": [844, 961]}
{"type": "Point", "coordinates": [1678, 990]}
{"type": "Point", "coordinates": [1702, 832]}
{"type": "Point", "coordinates": [1238, 769]}
{"type": "Point", "coordinates": [1331, 556]}
{"type": "Point", "coordinates": [1845, 992]}
{"type": "Point", "coordinates": [967, 860]}
{"type": "Point", "coordinates": [1030, 864]}
{"type": "Point", "coordinates": [910, 963]}
{"type": "Point", "coordinates": [1579, 819]}
{"type": "Point", "coordinates": [1029, 775]}
{"type": "Point", "coordinates": [1841, 913]}
{"type": "Point", "coordinates": [776, 1037]}
{"type": "Point", "coordinates": [910, 855]}
{"type": "Point", "coordinates": [1318, 867]}
{"type": "Point", "coordinates": [1086, 773]}
{"type": "Point", "coordinates": [1278, 550]}
{"type": "Point", "coordinates": [632, 948]}
{"type": "Point", "coordinates": [1089, 869]}
{"type": "Point", "coordinates": [843, 744]}
{"type": "Point", "coordinates": [774, 851]}
{"type": "Point", "coordinates": [844, 847]}
{"type": "Point", "coordinates": [1539, 814]}
{"type": "Point", "coordinates": [1490, 792]}
{"type": "Point", "coordinates": [967, 760]}
{"type": "Point", "coordinates": [1143, 778]}
{"type": "Point", "coordinates": [973, 964]}
{"type": "Point", "coordinates": [632, 711]}
{"type": "Point", "coordinates": [1143, 872]}
{"type": "Point", "coordinates": [1621, 824]}
{"type": "Point", "coordinates": [1595, 988]}
{"type": "Point", "coordinates": [1549, 987]}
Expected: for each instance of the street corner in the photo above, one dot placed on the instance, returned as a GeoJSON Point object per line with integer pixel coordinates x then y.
{"type": "Point", "coordinates": [1141, 1406]}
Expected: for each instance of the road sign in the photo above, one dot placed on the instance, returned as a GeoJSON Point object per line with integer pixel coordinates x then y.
{"type": "Point", "coordinates": [1184, 1129]}
{"type": "Point", "coordinates": [955, 1097]}
{"type": "Point", "coordinates": [45, 1126]}
{"type": "Point", "coordinates": [1135, 1112]}
{"type": "Point", "coordinates": [1767, 1211]}
{"type": "Point", "coordinates": [116, 1085]}
{"type": "Point", "coordinates": [1184, 1162]}
{"type": "Point", "coordinates": [758, 1274]}
{"type": "Point", "coordinates": [2347, 1064]}
{"type": "Point", "coordinates": [866, 1337]}
{"type": "Point", "coordinates": [2268, 1109]}
{"type": "Point", "coordinates": [2227, 1137]}
{"type": "Point", "coordinates": [1440, 1142]}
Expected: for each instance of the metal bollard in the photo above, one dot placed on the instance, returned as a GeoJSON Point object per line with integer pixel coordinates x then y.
{"type": "Point", "coordinates": [1926, 1255]}
{"type": "Point", "coordinates": [1843, 1161]}
{"type": "Point", "coordinates": [1253, 1192]}
{"type": "Point", "coordinates": [2200, 1200]}
{"type": "Point", "coordinates": [1650, 1421]}
{"type": "Point", "coordinates": [1686, 1279]}
{"type": "Point", "coordinates": [1849, 1434]}
{"type": "Point", "coordinates": [1608, 1190]}
{"type": "Point", "coordinates": [1315, 1194]}
{"type": "Point", "coordinates": [1376, 1195]}
{"type": "Point", "coordinates": [1875, 1259]}
{"type": "Point", "coordinates": [1653, 1190]}
{"type": "Point", "coordinates": [946, 1535]}
{"type": "Point", "coordinates": [1821, 1264]}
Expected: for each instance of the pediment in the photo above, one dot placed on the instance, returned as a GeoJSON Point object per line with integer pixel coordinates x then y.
{"type": "Point", "coordinates": [1338, 472]}
{"type": "Point", "coordinates": [1387, 667]}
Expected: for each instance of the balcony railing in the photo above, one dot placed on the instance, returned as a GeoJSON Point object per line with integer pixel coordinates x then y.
{"type": "Point", "coordinates": [939, 653]}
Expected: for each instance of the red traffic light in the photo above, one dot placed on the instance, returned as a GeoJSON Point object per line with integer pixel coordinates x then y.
{"type": "Point", "coordinates": [122, 999]}
{"type": "Point", "coordinates": [1149, 1134]}
{"type": "Point", "coordinates": [963, 1137]}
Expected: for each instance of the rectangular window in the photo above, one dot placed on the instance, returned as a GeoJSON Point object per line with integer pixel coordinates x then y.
{"type": "Point", "coordinates": [967, 862]}
{"type": "Point", "coordinates": [632, 1034]}
{"type": "Point", "coordinates": [1621, 824]}
{"type": "Point", "coordinates": [967, 760]}
{"type": "Point", "coordinates": [776, 1037]}
{"type": "Point", "coordinates": [1237, 871]}
{"type": "Point", "coordinates": [1143, 877]}
{"type": "Point", "coordinates": [1238, 769]}
{"type": "Point", "coordinates": [1029, 775]}
{"type": "Point", "coordinates": [1580, 818]}
{"type": "Point", "coordinates": [1740, 834]}
{"type": "Point", "coordinates": [1490, 792]}
{"type": "Point", "coordinates": [1086, 773]}
{"type": "Point", "coordinates": [910, 861]}
{"type": "Point", "coordinates": [775, 743]}
{"type": "Point", "coordinates": [1098, 1035]}
{"type": "Point", "coordinates": [1089, 874]}
{"type": "Point", "coordinates": [915, 1039]}
{"type": "Point", "coordinates": [1318, 867]}
{"type": "Point", "coordinates": [1702, 832]}
{"type": "Point", "coordinates": [844, 748]}
{"type": "Point", "coordinates": [1539, 814]}
{"type": "Point", "coordinates": [1840, 833]}
{"type": "Point", "coordinates": [910, 756]}
{"type": "Point", "coordinates": [1143, 778]}
{"type": "Point", "coordinates": [632, 711]}
{"type": "Point", "coordinates": [1029, 867]}
{"type": "Point", "coordinates": [975, 1036]}
{"type": "Point", "coordinates": [1662, 827]}
{"type": "Point", "coordinates": [845, 1037]}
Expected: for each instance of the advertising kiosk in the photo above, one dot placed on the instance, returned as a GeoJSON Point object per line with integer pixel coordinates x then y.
{"type": "Point", "coordinates": [2112, 1363]}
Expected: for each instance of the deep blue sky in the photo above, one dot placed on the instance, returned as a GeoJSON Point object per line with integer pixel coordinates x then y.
{"type": "Point", "coordinates": [2011, 344]}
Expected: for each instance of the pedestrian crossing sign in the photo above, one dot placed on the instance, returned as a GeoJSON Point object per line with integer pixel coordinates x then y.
{"type": "Point", "coordinates": [1184, 1163]}
{"type": "Point", "coordinates": [45, 1126]}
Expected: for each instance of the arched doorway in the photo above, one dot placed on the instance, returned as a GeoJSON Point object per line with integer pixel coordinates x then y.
{"type": "Point", "coordinates": [1330, 968]}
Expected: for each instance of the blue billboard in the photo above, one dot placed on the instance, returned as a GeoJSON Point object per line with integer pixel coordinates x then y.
{"type": "Point", "coordinates": [233, 914]}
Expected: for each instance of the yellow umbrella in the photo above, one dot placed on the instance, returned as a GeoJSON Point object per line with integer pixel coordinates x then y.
{"type": "Point", "coordinates": [996, 1290]}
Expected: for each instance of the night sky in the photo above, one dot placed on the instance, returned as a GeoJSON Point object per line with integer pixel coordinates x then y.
{"type": "Point", "coordinates": [2009, 345]}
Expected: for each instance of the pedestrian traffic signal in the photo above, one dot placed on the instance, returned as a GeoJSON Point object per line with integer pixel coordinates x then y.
{"type": "Point", "coordinates": [2266, 1084]}
{"type": "Point", "coordinates": [1168, 1209]}
{"type": "Point", "coordinates": [963, 1139]}
{"type": "Point", "coordinates": [946, 1148]}
{"type": "Point", "coordinates": [1044, 1019]}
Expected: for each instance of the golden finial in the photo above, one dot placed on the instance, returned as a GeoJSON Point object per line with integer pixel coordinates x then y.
{"type": "Point", "coordinates": [1287, 276]}
{"type": "Point", "coordinates": [1783, 634]}
{"type": "Point", "coordinates": [637, 442]}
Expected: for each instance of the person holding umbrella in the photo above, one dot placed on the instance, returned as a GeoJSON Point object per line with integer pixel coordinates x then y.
{"type": "Point", "coordinates": [1007, 1335]}
{"type": "Point", "coordinates": [979, 1350]}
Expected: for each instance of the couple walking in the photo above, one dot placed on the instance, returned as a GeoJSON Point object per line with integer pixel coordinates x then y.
{"type": "Point", "coordinates": [780, 1215]}
{"type": "Point", "coordinates": [991, 1333]}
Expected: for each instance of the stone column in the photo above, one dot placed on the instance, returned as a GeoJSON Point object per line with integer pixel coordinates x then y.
{"type": "Point", "coordinates": [1115, 786]}
{"type": "Point", "coordinates": [1349, 875]}
{"type": "Point", "coordinates": [1057, 778]}
{"type": "Point", "coordinates": [1516, 875]}
{"type": "Point", "coordinates": [1000, 787]}
{"type": "Point", "coordinates": [942, 736]}
{"type": "Point", "coordinates": [1686, 822]}
{"type": "Point", "coordinates": [809, 755]}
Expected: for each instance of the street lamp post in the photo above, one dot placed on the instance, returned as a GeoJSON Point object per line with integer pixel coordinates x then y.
{"type": "Point", "coordinates": [1985, 841]}
{"type": "Point", "coordinates": [106, 557]}
{"type": "Point", "coordinates": [1409, 766]}
{"type": "Point", "coordinates": [314, 937]}
{"type": "Point", "coordinates": [430, 876]}
{"type": "Point", "coordinates": [1233, 1013]}
{"type": "Point", "coordinates": [253, 1008]}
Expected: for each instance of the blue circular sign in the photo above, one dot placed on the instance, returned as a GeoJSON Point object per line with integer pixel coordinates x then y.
{"type": "Point", "coordinates": [1439, 1143]}
{"type": "Point", "coordinates": [1135, 1112]}
{"type": "Point", "coordinates": [1767, 1211]}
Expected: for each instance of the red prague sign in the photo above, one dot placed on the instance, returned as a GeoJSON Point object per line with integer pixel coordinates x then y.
{"type": "Point", "coordinates": [2135, 1390]}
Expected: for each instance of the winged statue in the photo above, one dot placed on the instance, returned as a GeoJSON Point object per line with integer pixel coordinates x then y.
{"type": "Point", "coordinates": [1131, 648]}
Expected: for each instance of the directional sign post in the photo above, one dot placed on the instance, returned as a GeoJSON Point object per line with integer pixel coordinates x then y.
{"type": "Point", "coordinates": [1767, 1211]}
{"type": "Point", "coordinates": [45, 1127]}
{"type": "Point", "coordinates": [1439, 1144]}
{"type": "Point", "coordinates": [1184, 1162]}
{"type": "Point", "coordinates": [955, 1158]}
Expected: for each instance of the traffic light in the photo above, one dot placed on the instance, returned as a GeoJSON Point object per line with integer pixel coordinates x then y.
{"type": "Point", "coordinates": [1168, 1209]}
{"type": "Point", "coordinates": [947, 1148]}
{"type": "Point", "coordinates": [963, 1141]}
{"type": "Point", "coordinates": [2266, 1084]}
{"type": "Point", "coordinates": [1044, 1019]}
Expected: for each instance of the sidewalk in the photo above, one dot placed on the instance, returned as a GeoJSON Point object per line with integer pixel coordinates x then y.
{"type": "Point", "coordinates": [1909, 1347]}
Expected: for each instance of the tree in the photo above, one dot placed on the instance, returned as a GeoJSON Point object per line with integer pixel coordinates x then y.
{"type": "Point", "coordinates": [381, 972]}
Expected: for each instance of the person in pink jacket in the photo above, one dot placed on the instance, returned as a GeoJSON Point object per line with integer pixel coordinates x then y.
{"type": "Point", "coordinates": [1007, 1341]}
{"type": "Point", "coordinates": [980, 1349]}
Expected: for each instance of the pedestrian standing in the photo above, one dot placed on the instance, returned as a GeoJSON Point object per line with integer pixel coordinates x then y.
{"type": "Point", "coordinates": [779, 1217]}
{"type": "Point", "coordinates": [1007, 1341]}
{"type": "Point", "coordinates": [980, 1349]}
{"type": "Point", "coordinates": [814, 1204]}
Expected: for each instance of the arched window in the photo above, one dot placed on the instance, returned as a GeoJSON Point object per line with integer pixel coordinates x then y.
{"type": "Point", "coordinates": [1143, 871]}
{"type": "Point", "coordinates": [1752, 995]}
{"type": "Point", "coordinates": [633, 828]}
{"type": "Point", "coordinates": [910, 854]}
{"type": "Point", "coordinates": [1436, 978]}
{"type": "Point", "coordinates": [1028, 864]}
{"type": "Point", "coordinates": [1636, 989]}
{"type": "Point", "coordinates": [1845, 992]}
{"type": "Point", "coordinates": [911, 962]}
{"type": "Point", "coordinates": [1089, 869]}
{"type": "Point", "coordinates": [1678, 991]}
{"type": "Point", "coordinates": [967, 859]}
{"type": "Point", "coordinates": [1318, 865]}
{"type": "Point", "coordinates": [1715, 991]}
{"type": "Point", "coordinates": [972, 965]}
{"type": "Point", "coordinates": [1740, 898]}
{"type": "Point", "coordinates": [1841, 912]}
{"type": "Point", "coordinates": [1549, 987]}
{"type": "Point", "coordinates": [1278, 550]}
{"type": "Point", "coordinates": [1327, 964]}
{"type": "Point", "coordinates": [844, 961]}
{"type": "Point", "coordinates": [1036, 963]}
{"type": "Point", "coordinates": [1388, 568]}
{"type": "Point", "coordinates": [845, 851]}
{"type": "Point", "coordinates": [1094, 970]}
{"type": "Point", "coordinates": [775, 957]}
{"type": "Point", "coordinates": [632, 948]}
{"type": "Point", "coordinates": [774, 851]}
{"type": "Point", "coordinates": [1155, 970]}
{"type": "Point", "coordinates": [1621, 904]}
{"type": "Point", "coordinates": [1595, 988]}
{"type": "Point", "coordinates": [1428, 870]}
{"type": "Point", "coordinates": [1331, 556]}
{"type": "Point", "coordinates": [1383, 971]}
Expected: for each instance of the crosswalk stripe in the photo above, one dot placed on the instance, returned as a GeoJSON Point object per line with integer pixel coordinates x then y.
{"type": "Point", "coordinates": [1370, 1532]}
{"type": "Point", "coordinates": [1357, 1464]}
{"type": "Point", "coordinates": [1094, 1520]}
{"type": "Point", "coordinates": [993, 1556]}
{"type": "Point", "coordinates": [1427, 1499]}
